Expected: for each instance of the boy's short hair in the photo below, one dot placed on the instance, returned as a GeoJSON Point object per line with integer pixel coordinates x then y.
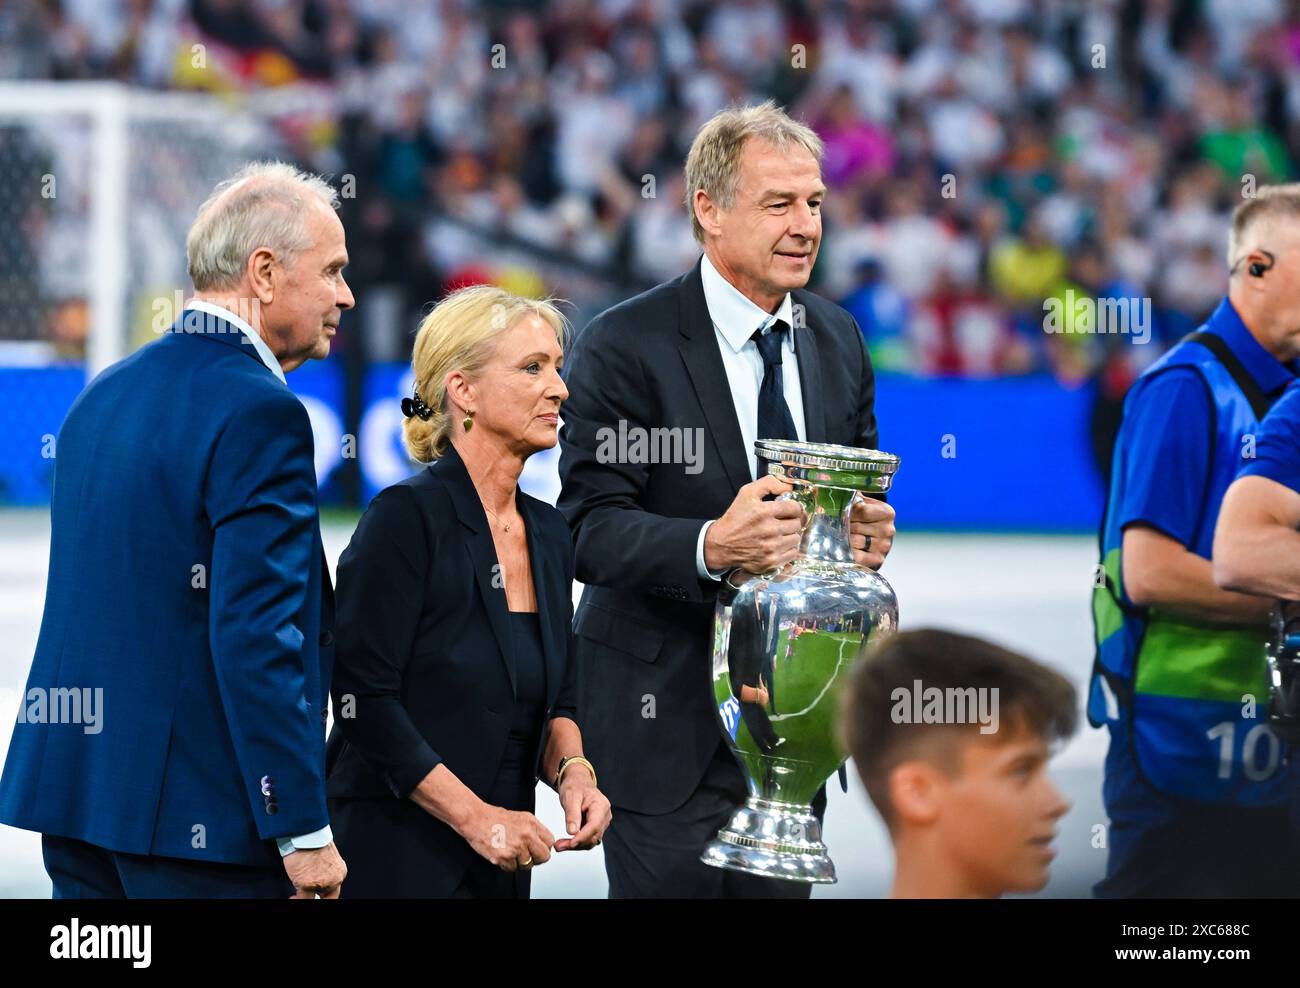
{"type": "Point", "coordinates": [1030, 697]}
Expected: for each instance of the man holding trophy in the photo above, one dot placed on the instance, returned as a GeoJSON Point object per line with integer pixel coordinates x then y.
{"type": "Point", "coordinates": [735, 351]}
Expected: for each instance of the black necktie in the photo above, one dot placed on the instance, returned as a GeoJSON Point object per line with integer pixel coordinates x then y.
{"type": "Point", "coordinates": [774, 419]}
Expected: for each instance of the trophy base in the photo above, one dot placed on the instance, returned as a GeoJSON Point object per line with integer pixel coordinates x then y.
{"type": "Point", "coordinates": [776, 840]}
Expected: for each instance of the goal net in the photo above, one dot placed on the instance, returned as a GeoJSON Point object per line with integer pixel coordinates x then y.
{"type": "Point", "coordinates": [98, 185]}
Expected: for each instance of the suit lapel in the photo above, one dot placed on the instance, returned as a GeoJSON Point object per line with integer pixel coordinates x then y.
{"type": "Point", "coordinates": [699, 350]}
{"type": "Point", "coordinates": [810, 374]}
{"type": "Point", "coordinates": [482, 552]}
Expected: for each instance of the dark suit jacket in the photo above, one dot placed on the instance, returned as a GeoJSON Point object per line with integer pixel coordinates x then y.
{"type": "Point", "coordinates": [645, 620]}
{"type": "Point", "coordinates": [187, 581]}
{"type": "Point", "coordinates": [425, 672]}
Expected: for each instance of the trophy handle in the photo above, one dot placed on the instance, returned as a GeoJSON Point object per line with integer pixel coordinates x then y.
{"type": "Point", "coordinates": [791, 495]}
{"type": "Point", "coordinates": [857, 498]}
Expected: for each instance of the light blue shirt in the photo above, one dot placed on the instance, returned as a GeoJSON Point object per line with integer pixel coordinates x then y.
{"type": "Point", "coordinates": [324, 836]}
{"type": "Point", "coordinates": [735, 318]}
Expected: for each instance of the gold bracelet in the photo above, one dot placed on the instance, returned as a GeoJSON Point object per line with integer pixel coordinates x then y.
{"type": "Point", "coordinates": [570, 760]}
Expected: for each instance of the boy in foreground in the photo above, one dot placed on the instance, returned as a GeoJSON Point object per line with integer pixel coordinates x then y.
{"type": "Point", "coordinates": [951, 736]}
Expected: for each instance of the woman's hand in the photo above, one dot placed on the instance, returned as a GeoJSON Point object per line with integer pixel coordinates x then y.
{"type": "Point", "coordinates": [587, 812]}
{"type": "Point", "coordinates": [754, 694]}
{"type": "Point", "coordinates": [510, 839]}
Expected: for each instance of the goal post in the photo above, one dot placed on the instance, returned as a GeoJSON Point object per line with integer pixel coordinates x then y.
{"type": "Point", "coordinates": [128, 169]}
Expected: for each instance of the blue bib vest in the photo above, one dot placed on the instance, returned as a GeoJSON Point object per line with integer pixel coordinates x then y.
{"type": "Point", "coordinates": [1191, 698]}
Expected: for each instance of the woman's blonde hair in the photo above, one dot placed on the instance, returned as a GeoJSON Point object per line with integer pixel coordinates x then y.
{"type": "Point", "coordinates": [460, 333]}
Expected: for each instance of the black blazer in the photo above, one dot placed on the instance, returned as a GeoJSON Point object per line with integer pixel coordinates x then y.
{"type": "Point", "coordinates": [645, 622]}
{"type": "Point", "coordinates": [424, 672]}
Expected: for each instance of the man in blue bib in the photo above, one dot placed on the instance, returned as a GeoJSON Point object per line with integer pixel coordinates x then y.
{"type": "Point", "coordinates": [1194, 785]}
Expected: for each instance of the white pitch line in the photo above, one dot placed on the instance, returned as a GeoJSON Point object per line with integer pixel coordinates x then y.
{"type": "Point", "coordinates": [818, 698]}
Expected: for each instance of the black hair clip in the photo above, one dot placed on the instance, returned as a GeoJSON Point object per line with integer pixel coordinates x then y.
{"type": "Point", "coordinates": [415, 405]}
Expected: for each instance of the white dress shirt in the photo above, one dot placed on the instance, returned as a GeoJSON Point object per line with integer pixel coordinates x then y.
{"type": "Point", "coordinates": [735, 318]}
{"type": "Point", "coordinates": [324, 836]}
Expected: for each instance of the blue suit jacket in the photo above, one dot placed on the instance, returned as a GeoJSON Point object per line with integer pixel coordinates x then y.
{"type": "Point", "coordinates": [187, 580]}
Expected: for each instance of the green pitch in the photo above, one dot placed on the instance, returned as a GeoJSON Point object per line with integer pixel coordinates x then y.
{"type": "Point", "coordinates": [809, 677]}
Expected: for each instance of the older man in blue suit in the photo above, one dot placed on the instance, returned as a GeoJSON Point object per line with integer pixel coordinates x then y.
{"type": "Point", "coordinates": [187, 583]}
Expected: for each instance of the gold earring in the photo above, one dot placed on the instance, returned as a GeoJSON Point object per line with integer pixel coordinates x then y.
{"type": "Point", "coordinates": [468, 422]}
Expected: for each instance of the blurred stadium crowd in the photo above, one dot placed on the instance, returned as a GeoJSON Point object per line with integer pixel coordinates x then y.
{"type": "Point", "coordinates": [982, 155]}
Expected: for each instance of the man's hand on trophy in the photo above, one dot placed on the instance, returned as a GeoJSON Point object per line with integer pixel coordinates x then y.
{"type": "Point", "coordinates": [756, 535]}
{"type": "Point", "coordinates": [316, 872]}
{"type": "Point", "coordinates": [871, 532]}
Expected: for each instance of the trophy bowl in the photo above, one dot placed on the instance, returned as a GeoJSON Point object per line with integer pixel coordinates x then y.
{"type": "Point", "coordinates": [784, 644]}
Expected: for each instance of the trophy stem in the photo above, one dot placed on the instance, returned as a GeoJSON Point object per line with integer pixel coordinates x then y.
{"type": "Point", "coordinates": [776, 840]}
{"type": "Point", "coordinates": [826, 534]}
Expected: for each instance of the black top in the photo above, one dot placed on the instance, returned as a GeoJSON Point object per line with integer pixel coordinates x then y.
{"type": "Point", "coordinates": [530, 676]}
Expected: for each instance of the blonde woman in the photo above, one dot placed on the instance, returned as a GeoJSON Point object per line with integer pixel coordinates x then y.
{"type": "Point", "coordinates": [453, 682]}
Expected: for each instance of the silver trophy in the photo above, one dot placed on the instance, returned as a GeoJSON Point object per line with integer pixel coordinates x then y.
{"type": "Point", "coordinates": [784, 643]}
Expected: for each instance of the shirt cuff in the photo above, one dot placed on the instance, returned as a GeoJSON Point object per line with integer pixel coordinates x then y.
{"type": "Point", "coordinates": [306, 842]}
{"type": "Point", "coordinates": [704, 572]}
